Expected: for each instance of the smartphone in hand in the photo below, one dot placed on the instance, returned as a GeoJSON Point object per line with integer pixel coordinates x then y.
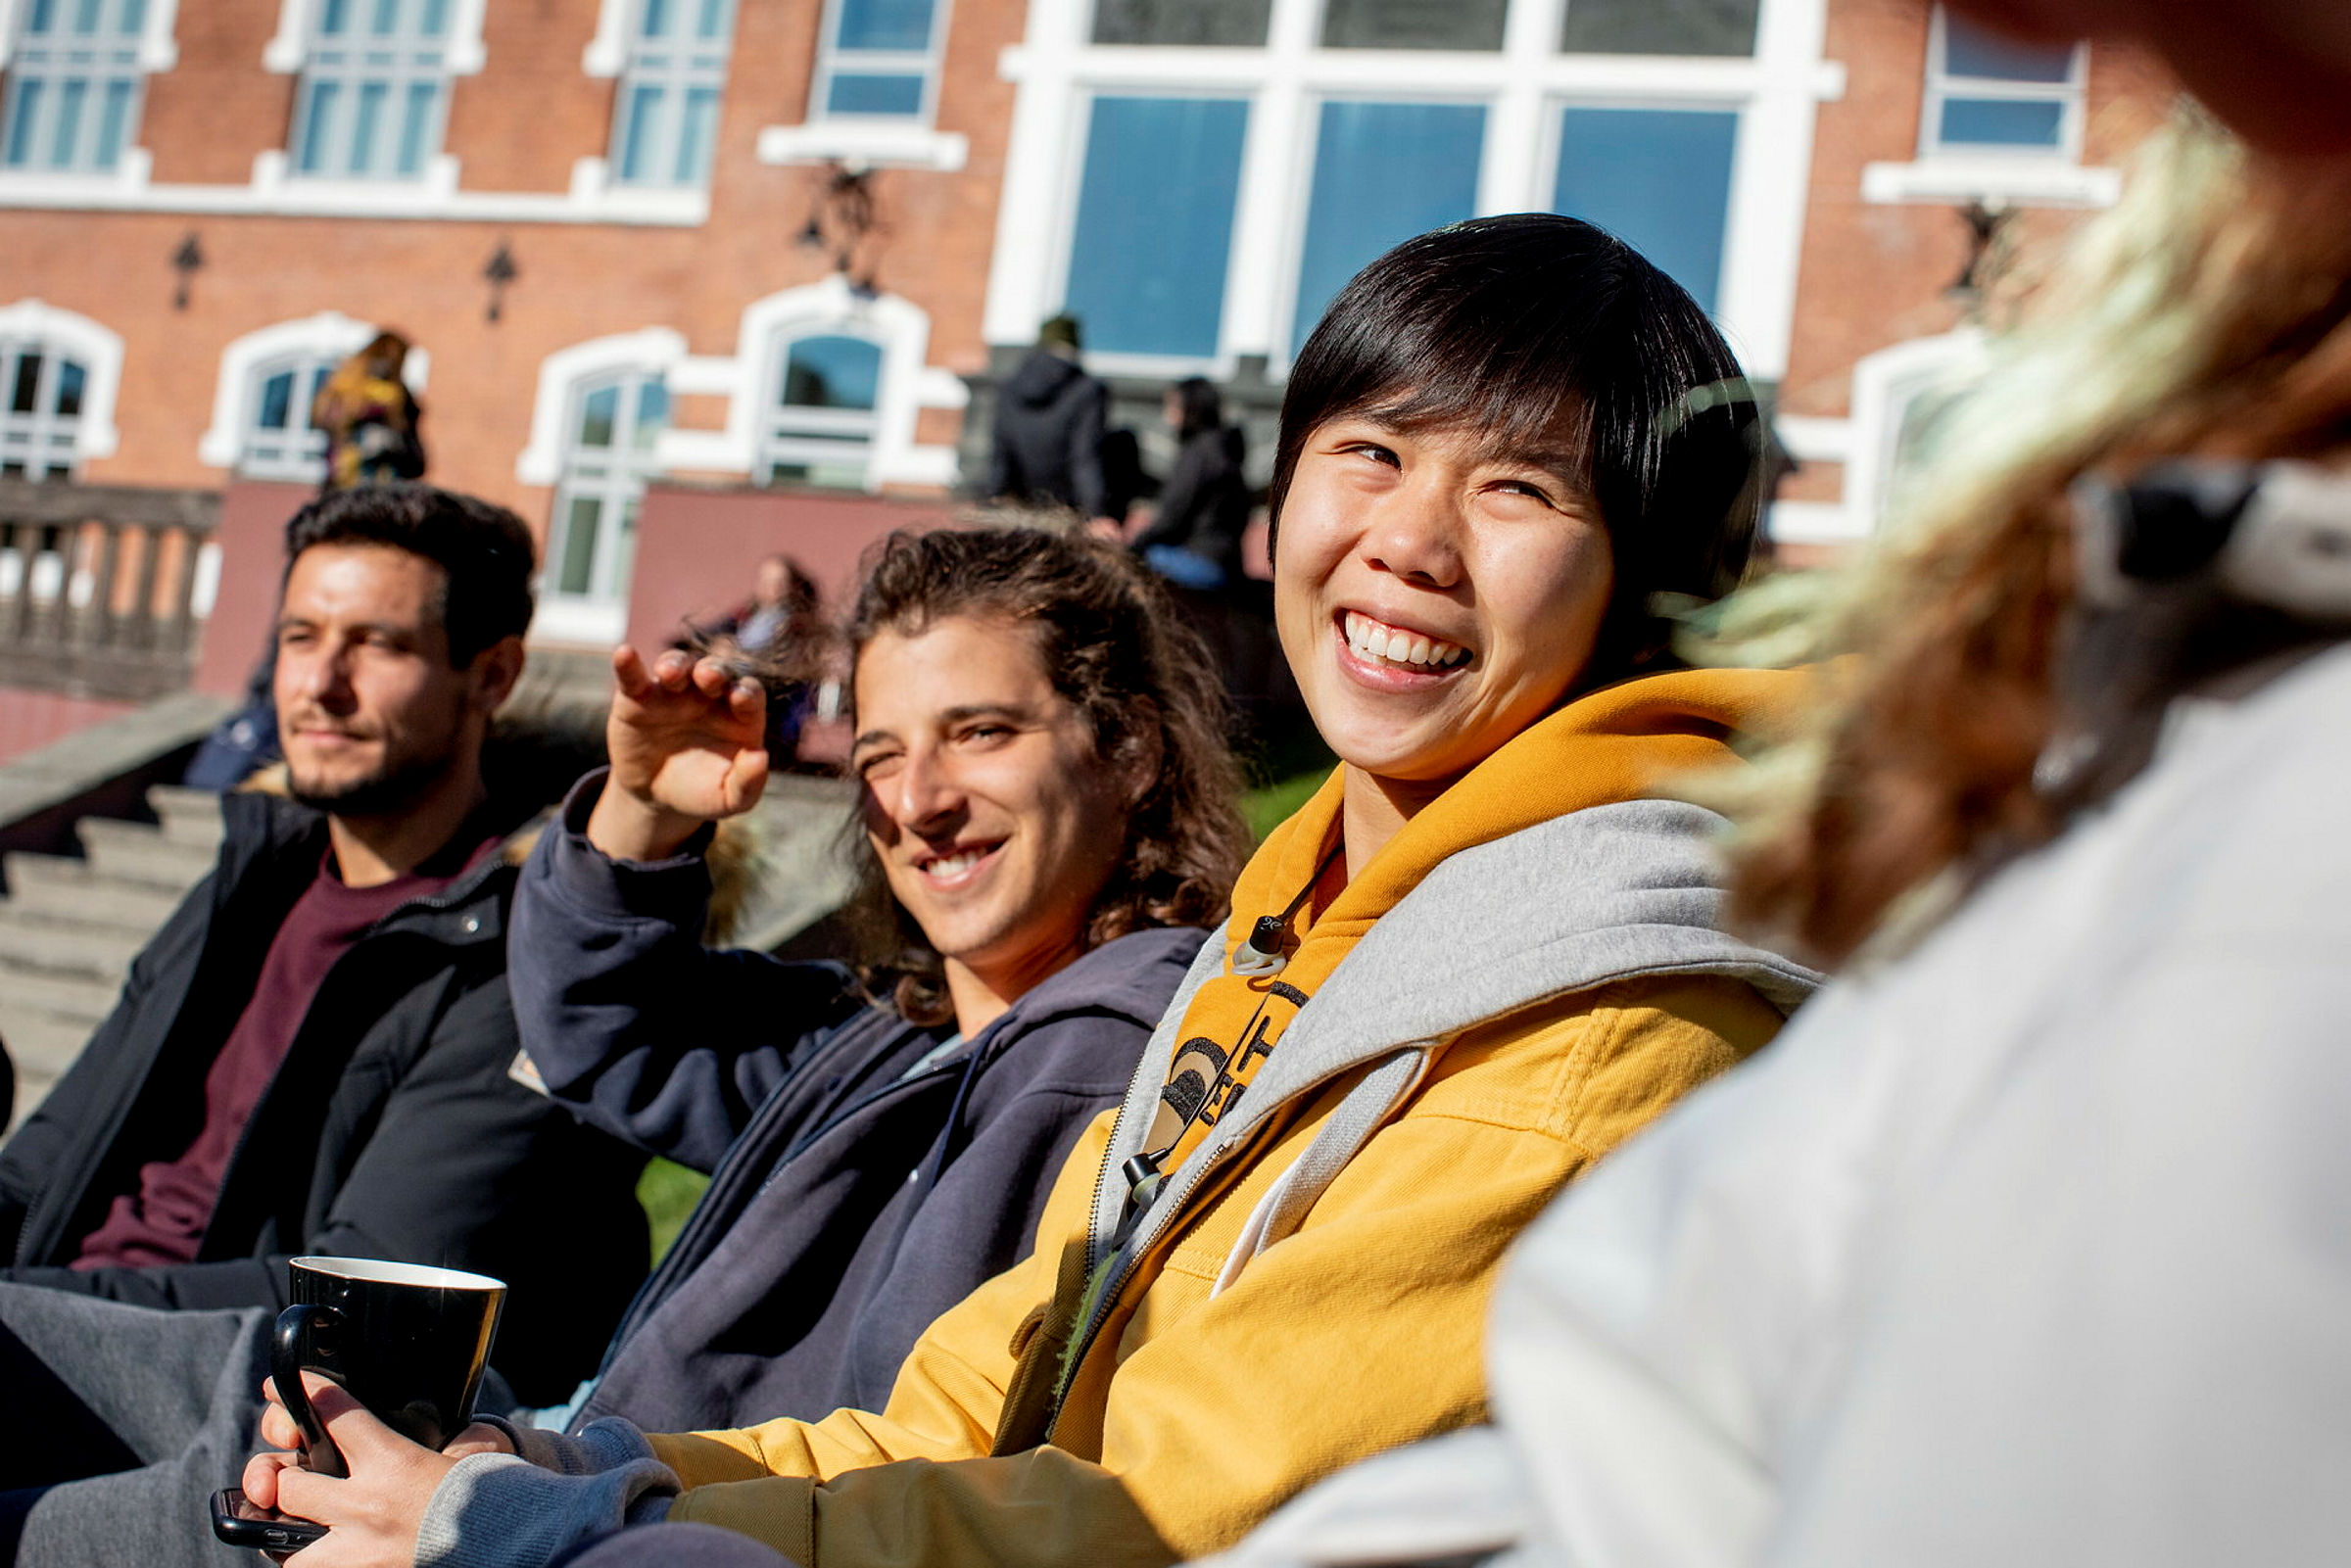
{"type": "Point", "coordinates": [239, 1522]}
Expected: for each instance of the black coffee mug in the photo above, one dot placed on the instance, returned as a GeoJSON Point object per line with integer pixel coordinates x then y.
{"type": "Point", "coordinates": [407, 1341]}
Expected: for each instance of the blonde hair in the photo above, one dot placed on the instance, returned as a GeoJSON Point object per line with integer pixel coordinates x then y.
{"type": "Point", "coordinates": [2208, 314]}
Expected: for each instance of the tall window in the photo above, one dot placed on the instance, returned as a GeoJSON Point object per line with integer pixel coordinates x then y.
{"type": "Point", "coordinates": [1383, 172]}
{"type": "Point", "coordinates": [607, 460]}
{"type": "Point", "coordinates": [374, 89]}
{"type": "Point", "coordinates": [1990, 94]}
{"type": "Point", "coordinates": [820, 428]}
{"type": "Point", "coordinates": [1155, 223]}
{"type": "Point", "coordinates": [278, 441]}
{"type": "Point", "coordinates": [73, 85]}
{"type": "Point", "coordinates": [668, 106]}
{"type": "Point", "coordinates": [41, 418]}
{"type": "Point", "coordinates": [1658, 178]}
{"type": "Point", "coordinates": [879, 60]}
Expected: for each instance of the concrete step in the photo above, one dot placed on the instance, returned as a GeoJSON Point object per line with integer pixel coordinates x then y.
{"type": "Point", "coordinates": [135, 852]}
{"type": "Point", "coordinates": [83, 999]}
{"type": "Point", "coordinates": [52, 884]}
{"type": "Point", "coordinates": [190, 817]}
{"type": "Point", "coordinates": [41, 1044]}
{"type": "Point", "coordinates": [68, 947]}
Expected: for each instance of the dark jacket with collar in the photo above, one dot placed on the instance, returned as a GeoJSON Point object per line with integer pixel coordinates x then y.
{"type": "Point", "coordinates": [392, 1130]}
{"type": "Point", "coordinates": [854, 1198]}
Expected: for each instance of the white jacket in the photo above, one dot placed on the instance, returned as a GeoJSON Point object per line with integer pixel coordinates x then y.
{"type": "Point", "coordinates": [2031, 1248]}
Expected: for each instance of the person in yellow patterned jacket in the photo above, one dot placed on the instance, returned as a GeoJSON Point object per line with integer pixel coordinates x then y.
{"type": "Point", "coordinates": [1477, 960]}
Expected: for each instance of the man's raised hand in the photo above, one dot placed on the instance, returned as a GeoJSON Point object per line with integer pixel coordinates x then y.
{"type": "Point", "coordinates": [689, 745]}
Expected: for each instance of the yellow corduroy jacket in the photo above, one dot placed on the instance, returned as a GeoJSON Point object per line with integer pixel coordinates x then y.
{"type": "Point", "coordinates": [1535, 953]}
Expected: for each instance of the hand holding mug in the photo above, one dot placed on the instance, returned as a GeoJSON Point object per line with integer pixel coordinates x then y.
{"type": "Point", "coordinates": [372, 1515]}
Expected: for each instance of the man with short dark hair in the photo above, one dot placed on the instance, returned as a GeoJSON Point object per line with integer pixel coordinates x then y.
{"type": "Point", "coordinates": [316, 1051]}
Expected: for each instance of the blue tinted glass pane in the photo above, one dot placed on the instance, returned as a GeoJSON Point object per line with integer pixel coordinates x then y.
{"type": "Point", "coordinates": [278, 401]}
{"type": "Point", "coordinates": [598, 410]}
{"type": "Point", "coordinates": [832, 373]}
{"type": "Point", "coordinates": [874, 95]}
{"type": "Point", "coordinates": [363, 123]}
{"type": "Point", "coordinates": [436, 18]}
{"type": "Point", "coordinates": [1971, 50]}
{"type": "Point", "coordinates": [23, 115]}
{"type": "Point", "coordinates": [641, 114]}
{"type": "Point", "coordinates": [694, 136]}
{"type": "Point", "coordinates": [85, 18]}
{"type": "Point", "coordinates": [1155, 224]}
{"type": "Point", "coordinates": [578, 570]}
{"type": "Point", "coordinates": [657, 20]}
{"type": "Point", "coordinates": [416, 131]}
{"type": "Point", "coordinates": [113, 114]}
{"type": "Point", "coordinates": [43, 18]}
{"type": "Point", "coordinates": [884, 25]}
{"type": "Point", "coordinates": [712, 21]}
{"type": "Point", "coordinates": [72, 378]}
{"type": "Point", "coordinates": [318, 116]}
{"type": "Point", "coordinates": [1659, 180]}
{"type": "Point", "coordinates": [387, 19]}
{"type": "Point", "coordinates": [653, 413]}
{"type": "Point", "coordinates": [334, 17]}
{"type": "Point", "coordinates": [134, 19]}
{"type": "Point", "coordinates": [71, 94]}
{"type": "Point", "coordinates": [1383, 172]}
{"type": "Point", "coordinates": [1996, 122]}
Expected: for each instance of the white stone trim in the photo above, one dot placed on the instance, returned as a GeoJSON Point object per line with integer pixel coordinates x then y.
{"type": "Point", "coordinates": [8, 29]}
{"type": "Point", "coordinates": [97, 346]}
{"type": "Point", "coordinates": [2020, 181]}
{"type": "Point", "coordinates": [1811, 522]}
{"type": "Point", "coordinates": [1811, 438]}
{"type": "Point", "coordinates": [858, 145]}
{"type": "Point", "coordinates": [289, 48]}
{"type": "Point", "coordinates": [329, 334]}
{"type": "Point", "coordinates": [655, 349]}
{"type": "Point", "coordinates": [159, 40]}
{"type": "Point", "coordinates": [607, 52]}
{"type": "Point", "coordinates": [564, 621]}
{"type": "Point", "coordinates": [275, 191]}
{"type": "Point", "coordinates": [1057, 72]}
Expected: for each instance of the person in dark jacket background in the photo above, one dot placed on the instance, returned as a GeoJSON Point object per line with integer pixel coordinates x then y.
{"type": "Point", "coordinates": [1047, 803]}
{"type": "Point", "coordinates": [1194, 540]}
{"type": "Point", "coordinates": [316, 1052]}
{"type": "Point", "coordinates": [1046, 448]}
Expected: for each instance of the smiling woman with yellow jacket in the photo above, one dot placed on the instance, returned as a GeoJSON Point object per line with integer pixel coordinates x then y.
{"type": "Point", "coordinates": [1482, 956]}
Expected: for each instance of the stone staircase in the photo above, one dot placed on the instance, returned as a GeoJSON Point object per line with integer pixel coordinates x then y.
{"type": "Point", "coordinates": [68, 929]}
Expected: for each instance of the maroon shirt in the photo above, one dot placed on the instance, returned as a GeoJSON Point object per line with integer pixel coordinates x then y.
{"type": "Point", "coordinates": [164, 1220]}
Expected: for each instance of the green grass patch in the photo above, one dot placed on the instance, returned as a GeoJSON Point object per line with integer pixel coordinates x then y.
{"type": "Point", "coordinates": [668, 1190]}
{"type": "Point", "coordinates": [1267, 805]}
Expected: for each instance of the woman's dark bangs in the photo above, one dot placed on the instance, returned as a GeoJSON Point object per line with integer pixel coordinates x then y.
{"type": "Point", "coordinates": [1519, 384]}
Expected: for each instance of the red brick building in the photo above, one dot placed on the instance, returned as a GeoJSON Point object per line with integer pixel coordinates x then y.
{"type": "Point", "coordinates": [788, 243]}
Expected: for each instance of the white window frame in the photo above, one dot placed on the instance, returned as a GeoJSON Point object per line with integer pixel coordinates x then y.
{"type": "Point", "coordinates": [303, 461]}
{"type": "Point", "coordinates": [909, 385]}
{"type": "Point", "coordinates": [1942, 85]}
{"type": "Point", "coordinates": [1058, 71]}
{"type": "Point", "coordinates": [236, 387]}
{"type": "Point", "coordinates": [677, 67]}
{"type": "Point", "coordinates": [120, 57]}
{"type": "Point", "coordinates": [832, 60]}
{"type": "Point", "coordinates": [818, 436]}
{"type": "Point", "coordinates": [621, 482]}
{"type": "Point", "coordinates": [97, 348]}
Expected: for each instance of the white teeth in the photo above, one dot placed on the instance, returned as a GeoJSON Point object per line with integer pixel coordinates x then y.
{"type": "Point", "coordinates": [954, 865]}
{"type": "Point", "coordinates": [1370, 640]}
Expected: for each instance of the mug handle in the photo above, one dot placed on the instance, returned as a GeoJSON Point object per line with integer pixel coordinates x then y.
{"type": "Point", "coordinates": [298, 1328]}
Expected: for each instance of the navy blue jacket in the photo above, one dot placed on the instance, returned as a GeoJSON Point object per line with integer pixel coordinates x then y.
{"type": "Point", "coordinates": [854, 1198]}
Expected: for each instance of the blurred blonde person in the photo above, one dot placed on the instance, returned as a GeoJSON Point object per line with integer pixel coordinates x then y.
{"type": "Point", "coordinates": [370, 417]}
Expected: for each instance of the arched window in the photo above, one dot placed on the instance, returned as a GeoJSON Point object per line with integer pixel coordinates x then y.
{"type": "Point", "coordinates": [40, 420]}
{"type": "Point", "coordinates": [278, 441]}
{"type": "Point", "coordinates": [819, 425]}
{"type": "Point", "coordinates": [610, 432]}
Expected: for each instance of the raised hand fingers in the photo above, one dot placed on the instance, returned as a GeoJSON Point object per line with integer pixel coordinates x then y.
{"type": "Point", "coordinates": [259, 1479]}
{"type": "Point", "coordinates": [628, 673]}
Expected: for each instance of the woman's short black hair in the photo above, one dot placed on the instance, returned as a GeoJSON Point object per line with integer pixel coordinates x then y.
{"type": "Point", "coordinates": [1534, 327]}
{"type": "Point", "coordinates": [1198, 407]}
